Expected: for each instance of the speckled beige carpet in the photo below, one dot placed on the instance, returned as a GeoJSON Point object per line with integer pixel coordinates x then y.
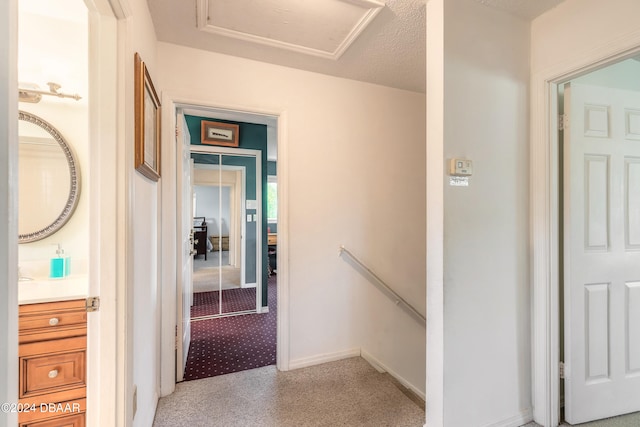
{"type": "Point", "coordinates": [631, 420]}
{"type": "Point", "coordinates": [344, 393]}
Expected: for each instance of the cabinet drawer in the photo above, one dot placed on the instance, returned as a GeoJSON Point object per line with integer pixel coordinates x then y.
{"type": "Point", "coordinates": [66, 414]}
{"type": "Point", "coordinates": [68, 421]}
{"type": "Point", "coordinates": [46, 321]}
{"type": "Point", "coordinates": [63, 367]}
{"type": "Point", "coordinates": [52, 315]}
{"type": "Point", "coordinates": [272, 239]}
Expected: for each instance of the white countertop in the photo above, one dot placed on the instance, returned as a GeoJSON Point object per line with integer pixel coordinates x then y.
{"type": "Point", "coordinates": [35, 291]}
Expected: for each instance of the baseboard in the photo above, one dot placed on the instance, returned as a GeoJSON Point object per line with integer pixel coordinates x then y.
{"type": "Point", "coordinates": [524, 417]}
{"type": "Point", "coordinates": [249, 285]}
{"type": "Point", "coordinates": [381, 367]}
{"type": "Point", "coordinates": [323, 358]}
{"type": "Point", "coordinates": [146, 415]}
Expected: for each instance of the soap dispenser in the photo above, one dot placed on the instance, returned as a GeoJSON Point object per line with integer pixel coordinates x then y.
{"type": "Point", "coordinates": [59, 265]}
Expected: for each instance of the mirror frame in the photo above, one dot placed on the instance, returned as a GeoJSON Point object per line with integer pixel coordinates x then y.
{"type": "Point", "coordinates": [74, 172]}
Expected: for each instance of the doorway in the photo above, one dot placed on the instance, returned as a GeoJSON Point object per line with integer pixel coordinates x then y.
{"type": "Point", "coordinates": [96, 123]}
{"type": "Point", "coordinates": [237, 231]}
{"type": "Point", "coordinates": [600, 249]}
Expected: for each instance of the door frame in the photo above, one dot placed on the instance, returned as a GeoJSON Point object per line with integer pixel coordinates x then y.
{"type": "Point", "coordinates": [171, 102]}
{"type": "Point", "coordinates": [8, 208]}
{"type": "Point", "coordinates": [545, 218]}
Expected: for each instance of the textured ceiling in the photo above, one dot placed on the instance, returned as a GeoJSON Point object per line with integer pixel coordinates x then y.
{"type": "Point", "coordinates": [390, 51]}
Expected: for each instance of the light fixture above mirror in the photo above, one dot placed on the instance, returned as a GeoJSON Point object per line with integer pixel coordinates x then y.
{"type": "Point", "coordinates": [31, 92]}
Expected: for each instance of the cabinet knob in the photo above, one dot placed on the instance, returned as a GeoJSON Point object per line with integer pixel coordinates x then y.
{"type": "Point", "coordinates": [54, 321]}
{"type": "Point", "coordinates": [53, 373]}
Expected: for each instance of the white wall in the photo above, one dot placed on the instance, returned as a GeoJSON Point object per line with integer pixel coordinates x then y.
{"type": "Point", "coordinates": [45, 56]}
{"type": "Point", "coordinates": [144, 235]}
{"type": "Point", "coordinates": [8, 209]}
{"type": "Point", "coordinates": [208, 205]}
{"type": "Point", "coordinates": [486, 290]}
{"type": "Point", "coordinates": [356, 177]}
{"type": "Point", "coordinates": [563, 35]}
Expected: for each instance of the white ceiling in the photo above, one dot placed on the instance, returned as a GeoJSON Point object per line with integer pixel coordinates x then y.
{"type": "Point", "coordinates": [355, 39]}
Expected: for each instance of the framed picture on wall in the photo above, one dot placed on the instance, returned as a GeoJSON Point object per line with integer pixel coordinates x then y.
{"type": "Point", "coordinates": [147, 123]}
{"type": "Point", "coordinates": [216, 133]}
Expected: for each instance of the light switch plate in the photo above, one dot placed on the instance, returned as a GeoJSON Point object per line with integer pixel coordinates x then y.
{"type": "Point", "coordinates": [461, 167]}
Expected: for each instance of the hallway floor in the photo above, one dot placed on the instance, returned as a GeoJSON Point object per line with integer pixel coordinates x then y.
{"type": "Point", "coordinates": [631, 420]}
{"type": "Point", "coordinates": [348, 392]}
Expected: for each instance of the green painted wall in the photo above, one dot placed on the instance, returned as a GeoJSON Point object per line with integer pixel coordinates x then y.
{"type": "Point", "coordinates": [254, 137]}
{"type": "Point", "coordinates": [272, 168]}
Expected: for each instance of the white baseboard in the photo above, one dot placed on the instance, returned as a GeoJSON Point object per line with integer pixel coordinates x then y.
{"type": "Point", "coordinates": [381, 367]}
{"type": "Point", "coordinates": [524, 417]}
{"type": "Point", "coordinates": [323, 358]}
{"type": "Point", "coordinates": [249, 285]}
{"type": "Point", "coordinates": [145, 415]}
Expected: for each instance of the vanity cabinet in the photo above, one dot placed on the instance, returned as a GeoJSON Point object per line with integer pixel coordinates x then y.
{"type": "Point", "coordinates": [52, 361]}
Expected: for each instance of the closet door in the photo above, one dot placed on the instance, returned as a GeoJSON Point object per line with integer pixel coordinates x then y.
{"type": "Point", "coordinates": [228, 189]}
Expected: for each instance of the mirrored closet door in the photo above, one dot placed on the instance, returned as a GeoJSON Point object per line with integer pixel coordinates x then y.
{"type": "Point", "coordinates": [227, 200]}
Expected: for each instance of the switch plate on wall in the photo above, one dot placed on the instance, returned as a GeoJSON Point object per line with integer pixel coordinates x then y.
{"type": "Point", "coordinates": [461, 167]}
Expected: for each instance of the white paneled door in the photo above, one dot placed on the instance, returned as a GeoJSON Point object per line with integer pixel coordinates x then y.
{"type": "Point", "coordinates": [602, 252]}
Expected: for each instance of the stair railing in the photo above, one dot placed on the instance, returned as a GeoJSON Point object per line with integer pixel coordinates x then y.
{"type": "Point", "coordinates": [383, 287]}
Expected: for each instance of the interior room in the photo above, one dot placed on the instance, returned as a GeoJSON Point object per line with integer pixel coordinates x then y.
{"type": "Point", "coordinates": [421, 233]}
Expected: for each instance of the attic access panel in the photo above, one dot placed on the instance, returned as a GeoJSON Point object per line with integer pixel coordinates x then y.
{"type": "Point", "coordinates": [318, 28]}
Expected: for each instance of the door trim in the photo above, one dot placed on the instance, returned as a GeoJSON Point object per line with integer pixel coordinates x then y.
{"type": "Point", "coordinates": [108, 274]}
{"type": "Point", "coordinates": [545, 217]}
{"type": "Point", "coordinates": [171, 102]}
{"type": "Point", "coordinates": [9, 209]}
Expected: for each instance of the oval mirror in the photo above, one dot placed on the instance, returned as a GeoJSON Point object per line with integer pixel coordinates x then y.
{"type": "Point", "coordinates": [49, 181]}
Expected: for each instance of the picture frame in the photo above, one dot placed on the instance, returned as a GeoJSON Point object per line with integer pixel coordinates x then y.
{"type": "Point", "coordinates": [147, 123]}
{"type": "Point", "coordinates": [217, 133]}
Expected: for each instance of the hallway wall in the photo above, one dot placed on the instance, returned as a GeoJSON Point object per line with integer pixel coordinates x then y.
{"type": "Point", "coordinates": [143, 290]}
{"type": "Point", "coordinates": [356, 161]}
{"type": "Point", "coordinates": [486, 243]}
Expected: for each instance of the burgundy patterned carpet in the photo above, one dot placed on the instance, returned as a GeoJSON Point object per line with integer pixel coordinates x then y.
{"type": "Point", "coordinates": [208, 303]}
{"type": "Point", "coordinates": [231, 344]}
